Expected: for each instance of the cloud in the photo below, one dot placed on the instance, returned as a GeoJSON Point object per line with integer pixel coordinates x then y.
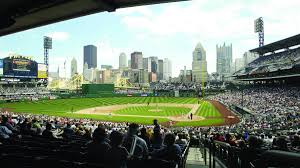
{"type": "Point", "coordinates": [59, 36]}
{"type": "Point", "coordinates": [108, 54]}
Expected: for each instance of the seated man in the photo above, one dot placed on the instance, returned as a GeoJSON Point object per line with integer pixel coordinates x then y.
{"type": "Point", "coordinates": [136, 146]}
{"type": "Point", "coordinates": [36, 126]}
{"type": "Point", "coordinates": [99, 147]}
{"type": "Point", "coordinates": [181, 140]}
{"type": "Point", "coordinates": [68, 131]}
{"type": "Point", "coordinates": [5, 133]}
{"type": "Point", "coordinates": [47, 133]}
{"type": "Point", "coordinates": [117, 154]}
{"type": "Point", "coordinates": [170, 152]}
{"type": "Point", "coordinates": [156, 139]}
{"type": "Point", "coordinates": [5, 122]}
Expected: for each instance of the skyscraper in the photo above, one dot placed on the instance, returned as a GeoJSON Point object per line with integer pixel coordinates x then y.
{"type": "Point", "coordinates": [167, 74]}
{"type": "Point", "coordinates": [73, 67]}
{"type": "Point", "coordinates": [224, 59]}
{"type": "Point", "coordinates": [90, 56]}
{"type": "Point", "coordinates": [137, 60]}
{"type": "Point", "coordinates": [122, 61]}
{"type": "Point", "coordinates": [147, 64]}
{"type": "Point", "coordinates": [199, 65]}
{"type": "Point", "coordinates": [154, 64]}
{"type": "Point", "coordinates": [160, 72]}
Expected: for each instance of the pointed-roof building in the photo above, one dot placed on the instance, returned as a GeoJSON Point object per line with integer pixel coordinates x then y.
{"type": "Point", "coordinates": [199, 65]}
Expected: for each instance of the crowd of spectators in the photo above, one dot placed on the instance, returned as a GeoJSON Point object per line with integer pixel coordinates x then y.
{"type": "Point", "coordinates": [284, 60]}
{"type": "Point", "coordinates": [20, 93]}
{"type": "Point", "coordinates": [247, 149]}
{"type": "Point", "coordinates": [175, 86]}
{"type": "Point", "coordinates": [274, 118]}
{"type": "Point", "coordinates": [107, 143]}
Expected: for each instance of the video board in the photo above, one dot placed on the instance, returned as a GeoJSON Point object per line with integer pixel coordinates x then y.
{"type": "Point", "coordinates": [21, 64]}
{"type": "Point", "coordinates": [19, 67]}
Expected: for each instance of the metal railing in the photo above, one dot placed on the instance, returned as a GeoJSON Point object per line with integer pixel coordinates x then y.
{"type": "Point", "coordinates": [221, 154]}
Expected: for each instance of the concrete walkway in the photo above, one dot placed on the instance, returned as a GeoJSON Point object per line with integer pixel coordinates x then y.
{"type": "Point", "coordinates": [194, 159]}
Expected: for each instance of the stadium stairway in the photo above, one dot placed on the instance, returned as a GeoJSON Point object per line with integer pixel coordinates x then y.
{"type": "Point", "coordinates": [194, 159]}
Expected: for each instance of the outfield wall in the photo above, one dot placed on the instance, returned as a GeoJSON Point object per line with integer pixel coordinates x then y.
{"type": "Point", "coordinates": [96, 90]}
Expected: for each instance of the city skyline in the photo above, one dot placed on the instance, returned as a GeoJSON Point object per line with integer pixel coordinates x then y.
{"type": "Point", "coordinates": [165, 30]}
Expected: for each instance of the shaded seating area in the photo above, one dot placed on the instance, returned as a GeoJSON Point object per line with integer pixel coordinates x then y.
{"type": "Point", "coordinates": [37, 151]}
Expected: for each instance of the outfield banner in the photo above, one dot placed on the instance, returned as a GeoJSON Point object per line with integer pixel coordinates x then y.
{"type": "Point", "coordinates": [42, 71]}
{"type": "Point", "coordinates": [144, 95]}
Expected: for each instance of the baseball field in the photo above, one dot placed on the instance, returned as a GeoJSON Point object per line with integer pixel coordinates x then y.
{"type": "Point", "coordinates": [168, 110]}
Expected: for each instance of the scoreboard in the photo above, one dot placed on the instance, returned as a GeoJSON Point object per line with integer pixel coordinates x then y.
{"type": "Point", "coordinates": [21, 67]}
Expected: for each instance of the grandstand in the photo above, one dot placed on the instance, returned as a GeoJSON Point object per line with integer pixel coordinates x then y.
{"type": "Point", "coordinates": [279, 61]}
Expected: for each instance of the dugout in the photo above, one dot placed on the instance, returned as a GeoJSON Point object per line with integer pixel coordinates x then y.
{"type": "Point", "coordinates": [98, 90]}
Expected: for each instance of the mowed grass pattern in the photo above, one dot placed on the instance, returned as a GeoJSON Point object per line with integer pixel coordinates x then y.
{"type": "Point", "coordinates": [63, 107]}
{"type": "Point", "coordinates": [206, 109]}
{"type": "Point", "coordinates": [147, 111]}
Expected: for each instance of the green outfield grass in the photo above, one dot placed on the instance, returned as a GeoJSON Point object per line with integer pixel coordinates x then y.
{"type": "Point", "coordinates": [147, 111]}
{"type": "Point", "coordinates": [63, 108]}
{"type": "Point", "coordinates": [207, 110]}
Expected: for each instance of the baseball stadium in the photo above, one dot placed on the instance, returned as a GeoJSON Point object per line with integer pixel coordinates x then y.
{"type": "Point", "coordinates": [234, 112]}
{"type": "Point", "coordinates": [171, 111]}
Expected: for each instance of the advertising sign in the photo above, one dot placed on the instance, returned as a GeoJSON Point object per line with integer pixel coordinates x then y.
{"type": "Point", "coordinates": [42, 71]}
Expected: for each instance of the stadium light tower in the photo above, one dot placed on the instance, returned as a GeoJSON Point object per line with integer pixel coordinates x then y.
{"type": "Point", "coordinates": [259, 28]}
{"type": "Point", "coordinates": [47, 47]}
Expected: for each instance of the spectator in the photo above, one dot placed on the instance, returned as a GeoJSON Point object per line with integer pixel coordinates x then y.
{"type": "Point", "coordinates": [6, 123]}
{"type": "Point", "coordinates": [181, 140]}
{"type": "Point", "coordinates": [47, 133]}
{"type": "Point", "coordinates": [68, 131]}
{"type": "Point", "coordinates": [228, 139]}
{"type": "Point", "coordinates": [99, 147]}
{"type": "Point", "coordinates": [156, 125]}
{"type": "Point", "coordinates": [156, 139]}
{"type": "Point", "coordinates": [117, 154]}
{"type": "Point", "coordinates": [5, 133]}
{"type": "Point", "coordinates": [171, 151]}
{"type": "Point", "coordinates": [145, 136]}
{"type": "Point", "coordinates": [136, 146]}
{"type": "Point", "coordinates": [36, 126]}
{"type": "Point", "coordinates": [252, 152]}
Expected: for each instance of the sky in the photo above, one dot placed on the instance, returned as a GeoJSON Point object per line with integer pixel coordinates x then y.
{"type": "Point", "coordinates": [169, 30]}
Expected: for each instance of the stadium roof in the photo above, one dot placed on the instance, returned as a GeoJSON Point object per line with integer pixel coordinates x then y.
{"type": "Point", "coordinates": [19, 15]}
{"type": "Point", "coordinates": [269, 78]}
{"type": "Point", "coordinates": [281, 44]}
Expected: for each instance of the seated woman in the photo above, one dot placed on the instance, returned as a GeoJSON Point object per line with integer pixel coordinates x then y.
{"type": "Point", "coordinates": [170, 152]}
